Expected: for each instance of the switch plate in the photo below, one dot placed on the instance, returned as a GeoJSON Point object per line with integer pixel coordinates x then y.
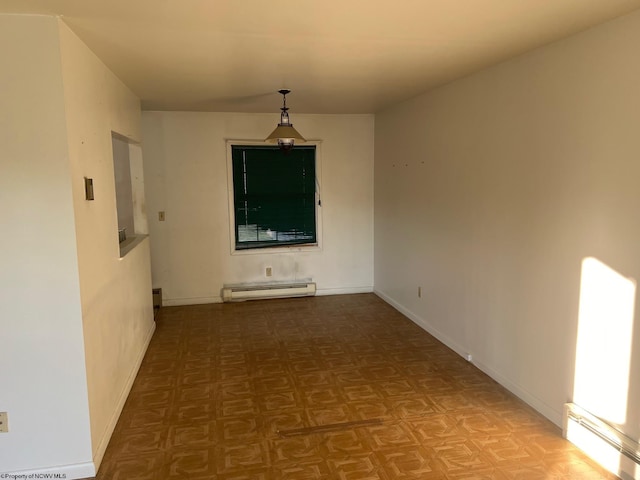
{"type": "Point", "coordinates": [88, 188]}
{"type": "Point", "coordinates": [268, 271]}
{"type": "Point", "coordinates": [161, 216]}
{"type": "Point", "coordinates": [419, 292]}
{"type": "Point", "coordinates": [4, 422]}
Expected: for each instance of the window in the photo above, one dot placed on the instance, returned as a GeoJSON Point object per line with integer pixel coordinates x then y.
{"type": "Point", "coordinates": [274, 196]}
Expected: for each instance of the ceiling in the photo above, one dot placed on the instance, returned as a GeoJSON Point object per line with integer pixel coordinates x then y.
{"type": "Point", "coordinates": [337, 56]}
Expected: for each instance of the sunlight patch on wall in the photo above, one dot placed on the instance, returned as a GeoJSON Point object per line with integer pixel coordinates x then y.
{"type": "Point", "coordinates": [603, 350]}
{"type": "Point", "coordinates": [603, 362]}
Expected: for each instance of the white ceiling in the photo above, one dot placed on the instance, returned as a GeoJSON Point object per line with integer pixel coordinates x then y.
{"type": "Point", "coordinates": [337, 56]}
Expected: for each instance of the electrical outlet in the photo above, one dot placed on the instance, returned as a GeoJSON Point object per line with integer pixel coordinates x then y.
{"type": "Point", "coordinates": [161, 216]}
{"type": "Point", "coordinates": [268, 271]}
{"type": "Point", "coordinates": [4, 422]}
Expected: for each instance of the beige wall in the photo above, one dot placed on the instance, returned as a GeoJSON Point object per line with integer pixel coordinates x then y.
{"type": "Point", "coordinates": [42, 370]}
{"type": "Point", "coordinates": [186, 175]}
{"type": "Point", "coordinates": [490, 192]}
{"type": "Point", "coordinates": [74, 317]}
{"type": "Point", "coordinates": [117, 308]}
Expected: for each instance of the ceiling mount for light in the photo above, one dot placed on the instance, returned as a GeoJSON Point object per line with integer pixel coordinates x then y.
{"type": "Point", "coordinates": [284, 134]}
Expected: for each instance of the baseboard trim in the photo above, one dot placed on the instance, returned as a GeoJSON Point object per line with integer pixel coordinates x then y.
{"type": "Point", "coordinates": [70, 472]}
{"type": "Point", "coordinates": [179, 302]}
{"type": "Point", "coordinates": [524, 395]}
{"type": "Point", "coordinates": [422, 323]}
{"type": "Point", "coordinates": [106, 437]}
{"type": "Point", "coordinates": [343, 291]}
{"type": "Point", "coordinates": [530, 399]}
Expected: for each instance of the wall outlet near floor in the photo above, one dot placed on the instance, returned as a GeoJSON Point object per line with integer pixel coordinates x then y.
{"type": "Point", "coordinates": [268, 272]}
{"type": "Point", "coordinates": [4, 422]}
{"type": "Point", "coordinates": [469, 357]}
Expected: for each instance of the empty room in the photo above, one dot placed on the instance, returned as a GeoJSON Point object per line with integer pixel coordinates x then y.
{"type": "Point", "coordinates": [343, 240]}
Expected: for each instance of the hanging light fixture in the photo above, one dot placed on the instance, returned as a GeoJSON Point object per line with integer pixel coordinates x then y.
{"type": "Point", "coordinates": [284, 134]}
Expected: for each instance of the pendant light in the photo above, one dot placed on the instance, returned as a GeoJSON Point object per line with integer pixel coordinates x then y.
{"type": "Point", "coordinates": [284, 134]}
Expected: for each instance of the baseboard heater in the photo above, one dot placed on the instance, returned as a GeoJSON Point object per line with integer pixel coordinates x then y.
{"type": "Point", "coordinates": [602, 442]}
{"type": "Point", "coordinates": [241, 293]}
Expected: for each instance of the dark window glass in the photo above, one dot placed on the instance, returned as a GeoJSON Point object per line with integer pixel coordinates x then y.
{"type": "Point", "coordinates": [274, 196]}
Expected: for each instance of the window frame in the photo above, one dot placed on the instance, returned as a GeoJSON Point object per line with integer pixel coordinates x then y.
{"type": "Point", "coordinates": [308, 247]}
{"type": "Point", "coordinates": [135, 180]}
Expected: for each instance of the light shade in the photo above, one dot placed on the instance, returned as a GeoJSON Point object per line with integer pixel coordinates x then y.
{"type": "Point", "coordinates": [284, 134]}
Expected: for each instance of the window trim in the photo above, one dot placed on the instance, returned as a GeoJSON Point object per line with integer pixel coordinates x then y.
{"type": "Point", "coordinates": [309, 247]}
{"type": "Point", "coordinates": [140, 229]}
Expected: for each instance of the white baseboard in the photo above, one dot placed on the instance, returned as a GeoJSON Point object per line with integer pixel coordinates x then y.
{"type": "Point", "coordinates": [69, 472]}
{"type": "Point", "coordinates": [524, 395]}
{"type": "Point", "coordinates": [422, 323]}
{"type": "Point", "coordinates": [179, 302]}
{"type": "Point", "coordinates": [104, 442]}
{"type": "Point", "coordinates": [537, 404]}
{"type": "Point", "coordinates": [343, 291]}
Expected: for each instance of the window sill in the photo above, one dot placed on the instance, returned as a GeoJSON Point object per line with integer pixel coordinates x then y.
{"type": "Point", "coordinates": [130, 243]}
{"type": "Point", "coordinates": [269, 250]}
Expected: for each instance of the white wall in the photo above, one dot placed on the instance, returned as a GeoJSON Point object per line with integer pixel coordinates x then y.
{"type": "Point", "coordinates": [42, 370]}
{"type": "Point", "coordinates": [186, 176]}
{"type": "Point", "coordinates": [117, 308]}
{"type": "Point", "coordinates": [490, 192]}
{"type": "Point", "coordinates": [75, 318]}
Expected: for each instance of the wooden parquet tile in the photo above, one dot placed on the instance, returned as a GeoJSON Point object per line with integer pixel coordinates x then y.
{"type": "Point", "coordinates": [341, 387]}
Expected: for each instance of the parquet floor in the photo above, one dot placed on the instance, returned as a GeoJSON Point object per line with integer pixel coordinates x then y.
{"type": "Point", "coordinates": [340, 387]}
